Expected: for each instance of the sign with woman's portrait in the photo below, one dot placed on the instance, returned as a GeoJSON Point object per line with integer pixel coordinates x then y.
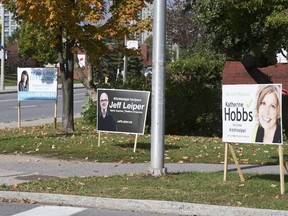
{"type": "Point", "coordinates": [252, 113]}
{"type": "Point", "coordinates": [37, 83]}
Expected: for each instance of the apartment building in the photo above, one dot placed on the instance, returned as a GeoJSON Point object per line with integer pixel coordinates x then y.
{"type": "Point", "coordinates": [10, 25]}
{"type": "Point", "coordinates": [147, 12]}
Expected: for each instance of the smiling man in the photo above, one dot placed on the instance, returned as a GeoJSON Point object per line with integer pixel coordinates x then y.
{"type": "Point", "coordinates": [106, 122]}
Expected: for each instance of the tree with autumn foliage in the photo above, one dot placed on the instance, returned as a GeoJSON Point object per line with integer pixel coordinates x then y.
{"type": "Point", "coordinates": [73, 25]}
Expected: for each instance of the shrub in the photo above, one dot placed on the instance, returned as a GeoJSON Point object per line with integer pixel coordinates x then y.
{"type": "Point", "coordinates": [89, 111]}
{"type": "Point", "coordinates": [134, 82]}
{"type": "Point", "coordinates": [193, 96]}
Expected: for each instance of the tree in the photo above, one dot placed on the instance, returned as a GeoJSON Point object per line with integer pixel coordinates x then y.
{"type": "Point", "coordinates": [198, 110]}
{"type": "Point", "coordinates": [135, 65]}
{"type": "Point", "coordinates": [254, 30]}
{"type": "Point", "coordinates": [32, 43]}
{"type": "Point", "coordinates": [72, 25]}
{"type": "Point", "coordinates": [182, 28]}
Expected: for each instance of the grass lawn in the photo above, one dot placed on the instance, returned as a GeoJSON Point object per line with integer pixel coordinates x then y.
{"type": "Point", "coordinates": [259, 191]}
{"type": "Point", "coordinates": [10, 80]}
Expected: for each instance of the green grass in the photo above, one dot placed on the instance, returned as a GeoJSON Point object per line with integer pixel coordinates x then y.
{"type": "Point", "coordinates": [83, 145]}
{"type": "Point", "coordinates": [10, 80]}
{"type": "Point", "coordinates": [259, 191]}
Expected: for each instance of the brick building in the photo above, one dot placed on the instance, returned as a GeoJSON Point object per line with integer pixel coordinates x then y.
{"type": "Point", "coordinates": [235, 73]}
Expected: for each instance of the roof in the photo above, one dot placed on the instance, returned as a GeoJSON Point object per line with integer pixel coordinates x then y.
{"type": "Point", "coordinates": [235, 73]}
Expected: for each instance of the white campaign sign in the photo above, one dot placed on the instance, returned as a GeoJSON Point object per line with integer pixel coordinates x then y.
{"type": "Point", "coordinates": [240, 116]}
{"type": "Point", "coordinates": [37, 83]}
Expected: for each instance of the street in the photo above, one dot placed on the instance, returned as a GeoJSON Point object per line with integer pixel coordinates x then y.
{"type": "Point", "coordinates": [32, 110]}
{"type": "Point", "coordinates": [20, 209]}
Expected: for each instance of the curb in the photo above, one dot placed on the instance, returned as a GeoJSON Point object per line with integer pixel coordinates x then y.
{"type": "Point", "coordinates": [152, 206]}
{"type": "Point", "coordinates": [13, 89]}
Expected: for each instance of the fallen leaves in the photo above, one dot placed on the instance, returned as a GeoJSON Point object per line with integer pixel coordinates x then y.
{"type": "Point", "coordinates": [245, 160]}
{"type": "Point", "coordinates": [15, 200]}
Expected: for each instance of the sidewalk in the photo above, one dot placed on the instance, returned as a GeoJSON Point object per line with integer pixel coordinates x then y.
{"type": "Point", "coordinates": [9, 89]}
{"type": "Point", "coordinates": [13, 89]}
{"type": "Point", "coordinates": [16, 169]}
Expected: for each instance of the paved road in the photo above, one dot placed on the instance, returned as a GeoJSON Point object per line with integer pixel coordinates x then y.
{"type": "Point", "coordinates": [18, 209]}
{"type": "Point", "coordinates": [42, 111]}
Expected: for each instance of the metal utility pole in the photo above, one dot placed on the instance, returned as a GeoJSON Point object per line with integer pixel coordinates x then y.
{"type": "Point", "coordinates": [158, 88]}
{"type": "Point", "coordinates": [2, 51]}
{"type": "Point", "coordinates": [125, 59]}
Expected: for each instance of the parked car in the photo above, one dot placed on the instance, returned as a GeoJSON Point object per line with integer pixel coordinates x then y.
{"type": "Point", "coordinates": [148, 72]}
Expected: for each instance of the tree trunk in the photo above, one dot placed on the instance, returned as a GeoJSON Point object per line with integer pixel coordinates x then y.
{"type": "Point", "coordinates": [67, 72]}
{"type": "Point", "coordinates": [87, 81]}
{"type": "Point", "coordinates": [68, 103]}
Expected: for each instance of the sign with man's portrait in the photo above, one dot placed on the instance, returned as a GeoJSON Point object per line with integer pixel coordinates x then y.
{"type": "Point", "coordinates": [122, 111]}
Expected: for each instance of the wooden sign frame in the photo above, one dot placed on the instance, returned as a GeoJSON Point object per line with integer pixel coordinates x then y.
{"type": "Point", "coordinates": [282, 165]}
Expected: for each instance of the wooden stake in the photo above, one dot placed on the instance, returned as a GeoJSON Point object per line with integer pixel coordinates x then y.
{"type": "Point", "coordinates": [55, 114]}
{"type": "Point", "coordinates": [135, 143]}
{"type": "Point", "coordinates": [285, 164]}
{"type": "Point", "coordinates": [19, 114]}
{"type": "Point", "coordinates": [236, 163]}
{"type": "Point", "coordinates": [281, 166]}
{"type": "Point", "coordinates": [99, 138]}
{"type": "Point", "coordinates": [225, 162]}
{"type": "Point", "coordinates": [55, 107]}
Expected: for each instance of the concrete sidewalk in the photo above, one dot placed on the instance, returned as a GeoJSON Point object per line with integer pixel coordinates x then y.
{"type": "Point", "coordinates": [13, 89]}
{"type": "Point", "coordinates": [9, 89]}
{"type": "Point", "coordinates": [16, 169]}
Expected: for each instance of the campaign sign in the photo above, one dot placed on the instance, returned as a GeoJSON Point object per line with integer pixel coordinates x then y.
{"type": "Point", "coordinates": [37, 83]}
{"type": "Point", "coordinates": [252, 113]}
{"type": "Point", "coordinates": [122, 111]}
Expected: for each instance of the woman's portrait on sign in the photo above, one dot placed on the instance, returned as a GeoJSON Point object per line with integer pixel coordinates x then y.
{"type": "Point", "coordinates": [24, 81]}
{"type": "Point", "coordinates": [268, 115]}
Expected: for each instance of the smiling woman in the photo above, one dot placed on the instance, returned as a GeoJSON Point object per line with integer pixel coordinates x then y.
{"type": "Point", "coordinates": [268, 114]}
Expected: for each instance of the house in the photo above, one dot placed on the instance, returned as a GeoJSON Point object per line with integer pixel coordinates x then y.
{"type": "Point", "coordinates": [235, 73]}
